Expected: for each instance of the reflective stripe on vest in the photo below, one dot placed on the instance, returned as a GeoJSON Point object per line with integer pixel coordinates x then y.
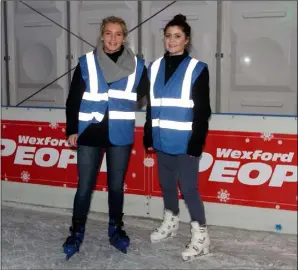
{"type": "Point", "coordinates": [89, 116]}
{"type": "Point", "coordinates": [183, 102]}
{"type": "Point", "coordinates": [94, 96]}
{"type": "Point", "coordinates": [125, 95]}
{"type": "Point", "coordinates": [171, 124]}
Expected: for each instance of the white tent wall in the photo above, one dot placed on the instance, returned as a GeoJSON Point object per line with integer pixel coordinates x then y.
{"type": "Point", "coordinates": [203, 38]}
{"type": "Point", "coordinates": [86, 18]}
{"type": "Point", "coordinates": [259, 68]}
{"type": "Point", "coordinates": [256, 72]}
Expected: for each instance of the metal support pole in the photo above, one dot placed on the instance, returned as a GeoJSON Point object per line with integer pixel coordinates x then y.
{"type": "Point", "coordinates": [69, 32]}
{"type": "Point", "coordinates": [140, 52]}
{"type": "Point", "coordinates": [6, 56]}
{"type": "Point", "coordinates": [69, 54]}
{"type": "Point", "coordinates": [218, 56]}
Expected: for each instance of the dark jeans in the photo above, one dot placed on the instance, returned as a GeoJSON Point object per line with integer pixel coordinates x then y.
{"type": "Point", "coordinates": [185, 168]}
{"type": "Point", "coordinates": [89, 159]}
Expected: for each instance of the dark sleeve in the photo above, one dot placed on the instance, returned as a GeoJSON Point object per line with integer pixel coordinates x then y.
{"type": "Point", "coordinates": [73, 102]}
{"type": "Point", "coordinates": [142, 88]}
{"type": "Point", "coordinates": [147, 139]}
{"type": "Point", "coordinates": [202, 113]}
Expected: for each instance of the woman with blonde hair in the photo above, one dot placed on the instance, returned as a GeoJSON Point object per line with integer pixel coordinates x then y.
{"type": "Point", "coordinates": [100, 115]}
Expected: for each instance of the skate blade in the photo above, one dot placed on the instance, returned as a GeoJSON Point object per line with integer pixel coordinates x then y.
{"type": "Point", "coordinates": [123, 250]}
{"type": "Point", "coordinates": [195, 257]}
{"type": "Point", "coordinates": [69, 254]}
{"type": "Point", "coordinates": [171, 236]}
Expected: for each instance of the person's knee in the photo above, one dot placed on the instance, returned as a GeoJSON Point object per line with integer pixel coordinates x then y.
{"type": "Point", "coordinates": [116, 185]}
{"type": "Point", "coordinates": [83, 192]}
{"type": "Point", "coordinates": [189, 190]}
{"type": "Point", "coordinates": [167, 187]}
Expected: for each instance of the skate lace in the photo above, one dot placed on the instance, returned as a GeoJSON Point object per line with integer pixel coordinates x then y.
{"type": "Point", "coordinates": [74, 238]}
{"type": "Point", "coordinates": [197, 240]}
{"type": "Point", "coordinates": [165, 225]}
{"type": "Point", "coordinates": [119, 231]}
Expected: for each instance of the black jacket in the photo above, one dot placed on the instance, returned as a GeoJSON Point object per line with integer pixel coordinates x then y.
{"type": "Point", "coordinates": [96, 134]}
{"type": "Point", "coordinates": [201, 109]}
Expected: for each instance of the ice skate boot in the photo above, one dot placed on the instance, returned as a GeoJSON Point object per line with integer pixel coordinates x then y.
{"type": "Point", "coordinates": [74, 241]}
{"type": "Point", "coordinates": [168, 228]}
{"type": "Point", "coordinates": [118, 237]}
{"type": "Point", "coordinates": [199, 244]}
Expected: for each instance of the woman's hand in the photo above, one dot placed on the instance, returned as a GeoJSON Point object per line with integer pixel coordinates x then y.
{"type": "Point", "coordinates": [149, 150]}
{"type": "Point", "coordinates": [72, 139]}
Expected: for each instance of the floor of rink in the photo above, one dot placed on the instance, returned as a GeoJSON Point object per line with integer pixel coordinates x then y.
{"type": "Point", "coordinates": [32, 238]}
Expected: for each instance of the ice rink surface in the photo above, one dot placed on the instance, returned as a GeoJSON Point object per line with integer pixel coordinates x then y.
{"type": "Point", "coordinates": [32, 238]}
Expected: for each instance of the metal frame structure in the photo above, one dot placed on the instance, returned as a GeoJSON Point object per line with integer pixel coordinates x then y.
{"type": "Point", "coordinates": [69, 56]}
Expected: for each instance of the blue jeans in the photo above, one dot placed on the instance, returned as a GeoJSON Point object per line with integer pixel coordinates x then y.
{"type": "Point", "coordinates": [89, 159]}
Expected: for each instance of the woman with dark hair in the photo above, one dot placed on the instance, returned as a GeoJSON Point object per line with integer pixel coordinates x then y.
{"type": "Point", "coordinates": [176, 127]}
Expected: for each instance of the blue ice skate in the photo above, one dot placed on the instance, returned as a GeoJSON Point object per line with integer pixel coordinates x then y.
{"type": "Point", "coordinates": [74, 241]}
{"type": "Point", "coordinates": [118, 237]}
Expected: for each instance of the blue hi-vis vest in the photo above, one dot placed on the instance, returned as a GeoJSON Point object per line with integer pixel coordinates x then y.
{"type": "Point", "coordinates": [172, 104]}
{"type": "Point", "coordinates": [119, 98]}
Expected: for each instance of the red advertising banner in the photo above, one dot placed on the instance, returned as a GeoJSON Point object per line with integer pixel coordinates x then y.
{"type": "Point", "coordinates": [247, 168]}
{"type": "Point", "coordinates": [38, 153]}
{"type": "Point", "coordinates": [241, 168]}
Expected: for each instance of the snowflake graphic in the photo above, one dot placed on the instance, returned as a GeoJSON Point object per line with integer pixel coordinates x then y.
{"type": "Point", "coordinates": [125, 187]}
{"type": "Point", "coordinates": [279, 142]}
{"type": "Point", "coordinates": [266, 136]}
{"type": "Point", "coordinates": [134, 175]}
{"type": "Point", "coordinates": [25, 176]}
{"type": "Point", "coordinates": [104, 189]}
{"type": "Point", "coordinates": [133, 152]}
{"type": "Point", "coordinates": [247, 140]}
{"type": "Point", "coordinates": [223, 195]}
{"type": "Point", "coordinates": [4, 126]}
{"type": "Point", "coordinates": [148, 162]}
{"type": "Point", "coordinates": [179, 192]}
{"type": "Point", "coordinates": [64, 185]}
{"type": "Point", "coordinates": [39, 128]}
{"type": "Point", "coordinates": [5, 177]}
{"type": "Point", "coordinates": [63, 129]}
{"type": "Point", "coordinates": [53, 125]}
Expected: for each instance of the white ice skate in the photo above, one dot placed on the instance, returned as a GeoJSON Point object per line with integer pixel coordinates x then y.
{"type": "Point", "coordinates": [199, 244]}
{"type": "Point", "coordinates": [168, 228]}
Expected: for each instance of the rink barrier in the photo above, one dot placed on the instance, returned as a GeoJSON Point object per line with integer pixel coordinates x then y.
{"type": "Point", "coordinates": [247, 175]}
